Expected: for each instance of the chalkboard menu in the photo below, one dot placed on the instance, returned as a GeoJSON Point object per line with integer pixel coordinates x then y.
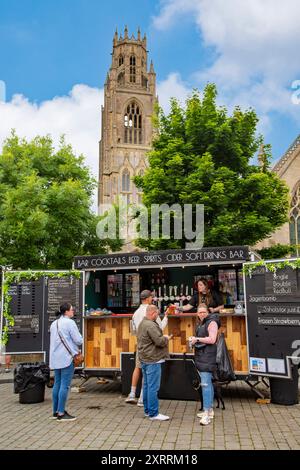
{"type": "Point", "coordinates": [25, 309]}
{"type": "Point", "coordinates": [33, 306]}
{"type": "Point", "coordinates": [26, 306]}
{"type": "Point", "coordinates": [60, 290]}
{"type": "Point", "coordinates": [273, 320]}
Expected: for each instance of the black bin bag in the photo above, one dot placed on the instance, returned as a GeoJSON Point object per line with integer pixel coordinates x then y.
{"type": "Point", "coordinates": [224, 372]}
{"type": "Point", "coordinates": [30, 379]}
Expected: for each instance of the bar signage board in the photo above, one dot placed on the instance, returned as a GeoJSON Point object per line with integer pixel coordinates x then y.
{"type": "Point", "coordinates": [273, 320]}
{"type": "Point", "coordinates": [230, 254]}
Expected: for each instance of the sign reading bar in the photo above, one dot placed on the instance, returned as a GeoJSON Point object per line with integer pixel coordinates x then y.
{"type": "Point", "coordinates": [230, 254]}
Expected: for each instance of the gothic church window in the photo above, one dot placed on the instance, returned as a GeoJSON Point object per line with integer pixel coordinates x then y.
{"type": "Point", "coordinates": [295, 217]}
{"type": "Point", "coordinates": [144, 81]}
{"type": "Point", "coordinates": [133, 124]}
{"type": "Point", "coordinates": [121, 78]}
{"type": "Point", "coordinates": [121, 60]}
{"type": "Point", "coordinates": [132, 69]}
{"type": "Point", "coordinates": [125, 181]}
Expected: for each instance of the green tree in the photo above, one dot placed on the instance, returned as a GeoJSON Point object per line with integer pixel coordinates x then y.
{"type": "Point", "coordinates": [279, 251]}
{"type": "Point", "coordinates": [201, 155]}
{"type": "Point", "coordinates": [45, 209]}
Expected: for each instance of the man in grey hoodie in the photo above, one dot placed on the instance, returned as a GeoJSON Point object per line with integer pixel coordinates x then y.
{"type": "Point", "coordinates": [153, 351]}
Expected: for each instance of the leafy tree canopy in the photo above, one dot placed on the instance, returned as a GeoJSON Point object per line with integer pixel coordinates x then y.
{"type": "Point", "coordinates": [203, 155]}
{"type": "Point", "coordinates": [45, 208]}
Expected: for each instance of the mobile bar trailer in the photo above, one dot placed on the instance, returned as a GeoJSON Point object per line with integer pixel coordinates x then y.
{"type": "Point", "coordinates": [105, 290]}
{"type": "Point", "coordinates": [113, 283]}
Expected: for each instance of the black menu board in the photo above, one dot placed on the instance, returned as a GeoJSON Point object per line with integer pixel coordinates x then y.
{"type": "Point", "coordinates": [26, 307]}
{"type": "Point", "coordinates": [61, 290]}
{"type": "Point", "coordinates": [33, 306]}
{"type": "Point", "coordinates": [273, 320]}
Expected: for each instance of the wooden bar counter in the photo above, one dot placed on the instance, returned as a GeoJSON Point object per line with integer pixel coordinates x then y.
{"type": "Point", "coordinates": [107, 336]}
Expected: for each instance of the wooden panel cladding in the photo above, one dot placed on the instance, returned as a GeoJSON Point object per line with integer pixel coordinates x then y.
{"type": "Point", "coordinates": [106, 338]}
{"type": "Point", "coordinates": [234, 329]}
{"type": "Point", "coordinates": [181, 328]}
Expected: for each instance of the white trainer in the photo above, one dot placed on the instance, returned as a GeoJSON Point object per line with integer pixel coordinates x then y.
{"type": "Point", "coordinates": [211, 414]}
{"type": "Point", "coordinates": [140, 403]}
{"type": "Point", "coordinates": [160, 417]}
{"type": "Point", "coordinates": [131, 399]}
{"type": "Point", "coordinates": [205, 420]}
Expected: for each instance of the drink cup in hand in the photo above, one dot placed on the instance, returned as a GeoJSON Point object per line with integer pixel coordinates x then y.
{"type": "Point", "coordinates": [190, 344]}
{"type": "Point", "coordinates": [171, 309]}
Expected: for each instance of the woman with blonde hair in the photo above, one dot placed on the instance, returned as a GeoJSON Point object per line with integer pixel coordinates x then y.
{"type": "Point", "coordinates": [205, 346]}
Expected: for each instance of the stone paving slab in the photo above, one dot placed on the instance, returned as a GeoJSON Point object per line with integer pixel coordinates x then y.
{"type": "Point", "coordinates": [105, 422]}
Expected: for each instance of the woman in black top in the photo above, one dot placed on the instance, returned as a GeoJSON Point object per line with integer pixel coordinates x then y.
{"type": "Point", "coordinates": [211, 299]}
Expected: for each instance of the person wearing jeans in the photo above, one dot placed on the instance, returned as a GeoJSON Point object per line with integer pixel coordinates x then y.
{"type": "Point", "coordinates": [151, 376]}
{"type": "Point", "coordinates": [207, 393]}
{"type": "Point", "coordinates": [65, 340]}
{"type": "Point", "coordinates": [206, 358]}
{"type": "Point", "coordinates": [62, 381]}
{"type": "Point", "coordinates": [153, 351]}
{"type": "Point", "coordinates": [139, 314]}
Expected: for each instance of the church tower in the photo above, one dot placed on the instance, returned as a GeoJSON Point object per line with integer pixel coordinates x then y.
{"type": "Point", "coordinates": [126, 133]}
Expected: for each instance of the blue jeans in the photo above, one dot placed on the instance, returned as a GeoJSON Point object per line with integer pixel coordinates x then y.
{"type": "Point", "coordinates": [62, 382]}
{"type": "Point", "coordinates": [207, 390]}
{"type": "Point", "coordinates": [151, 377]}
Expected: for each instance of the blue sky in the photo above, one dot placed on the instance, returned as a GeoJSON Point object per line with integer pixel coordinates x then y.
{"type": "Point", "coordinates": [48, 47]}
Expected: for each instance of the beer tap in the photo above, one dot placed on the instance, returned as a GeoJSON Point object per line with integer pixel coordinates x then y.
{"type": "Point", "coordinates": [166, 298]}
{"type": "Point", "coordinates": [172, 298]}
{"type": "Point", "coordinates": [160, 298]}
{"type": "Point", "coordinates": [181, 295]}
{"type": "Point", "coordinates": [155, 299]}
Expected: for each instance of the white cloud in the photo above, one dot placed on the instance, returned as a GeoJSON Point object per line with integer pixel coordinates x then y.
{"type": "Point", "coordinates": [255, 43]}
{"type": "Point", "coordinates": [76, 115]}
{"type": "Point", "coordinates": [172, 87]}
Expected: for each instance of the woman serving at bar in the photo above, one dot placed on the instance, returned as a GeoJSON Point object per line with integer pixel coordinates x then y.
{"type": "Point", "coordinates": [213, 300]}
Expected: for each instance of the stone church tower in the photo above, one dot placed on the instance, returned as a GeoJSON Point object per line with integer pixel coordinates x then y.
{"type": "Point", "coordinates": [126, 134]}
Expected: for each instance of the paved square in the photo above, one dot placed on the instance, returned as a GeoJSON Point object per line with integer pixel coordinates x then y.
{"type": "Point", "coordinates": [104, 421]}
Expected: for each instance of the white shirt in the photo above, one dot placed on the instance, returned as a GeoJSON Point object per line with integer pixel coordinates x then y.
{"type": "Point", "coordinates": [59, 356]}
{"type": "Point", "coordinates": [140, 313]}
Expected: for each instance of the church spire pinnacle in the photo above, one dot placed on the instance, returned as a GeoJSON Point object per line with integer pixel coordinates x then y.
{"type": "Point", "coordinates": [116, 37]}
{"type": "Point", "coordinates": [151, 67]}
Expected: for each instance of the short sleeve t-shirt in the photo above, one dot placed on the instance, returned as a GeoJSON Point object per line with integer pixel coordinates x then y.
{"type": "Point", "coordinates": [215, 301]}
